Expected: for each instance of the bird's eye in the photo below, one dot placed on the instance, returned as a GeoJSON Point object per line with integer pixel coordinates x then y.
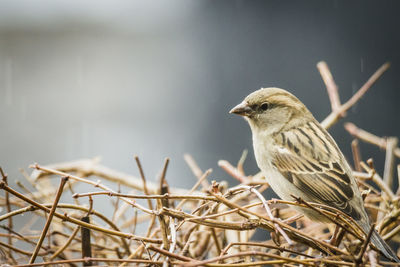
{"type": "Point", "coordinates": [264, 106]}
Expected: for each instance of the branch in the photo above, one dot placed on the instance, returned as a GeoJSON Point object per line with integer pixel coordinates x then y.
{"type": "Point", "coordinates": [331, 86]}
{"type": "Point", "coordinates": [336, 115]}
{"type": "Point", "coordinates": [369, 137]}
{"type": "Point", "coordinates": [49, 218]}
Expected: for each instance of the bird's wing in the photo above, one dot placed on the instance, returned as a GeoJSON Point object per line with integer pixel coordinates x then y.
{"type": "Point", "coordinates": [309, 158]}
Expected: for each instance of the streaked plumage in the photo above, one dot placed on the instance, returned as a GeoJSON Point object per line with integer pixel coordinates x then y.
{"type": "Point", "coordinates": [299, 157]}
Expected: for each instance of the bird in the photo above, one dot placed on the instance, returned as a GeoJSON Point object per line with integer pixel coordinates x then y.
{"type": "Point", "coordinates": [298, 157]}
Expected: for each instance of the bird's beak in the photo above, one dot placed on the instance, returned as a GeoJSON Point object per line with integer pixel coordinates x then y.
{"type": "Point", "coordinates": [242, 109]}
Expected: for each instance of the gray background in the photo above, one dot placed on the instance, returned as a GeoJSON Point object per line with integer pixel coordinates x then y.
{"type": "Point", "coordinates": [157, 78]}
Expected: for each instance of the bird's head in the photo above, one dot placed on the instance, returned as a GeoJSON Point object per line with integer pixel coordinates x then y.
{"type": "Point", "coordinates": [272, 109]}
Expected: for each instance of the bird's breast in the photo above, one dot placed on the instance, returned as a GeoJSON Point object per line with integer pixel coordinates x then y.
{"type": "Point", "coordinates": [264, 150]}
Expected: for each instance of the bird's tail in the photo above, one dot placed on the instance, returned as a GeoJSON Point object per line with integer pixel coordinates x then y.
{"type": "Point", "coordinates": [383, 247]}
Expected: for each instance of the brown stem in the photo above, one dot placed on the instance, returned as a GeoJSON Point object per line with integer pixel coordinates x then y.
{"type": "Point", "coordinates": [68, 206]}
{"type": "Point", "coordinates": [292, 232]}
{"type": "Point", "coordinates": [137, 261]}
{"type": "Point", "coordinates": [262, 245]}
{"type": "Point", "coordinates": [66, 244]}
{"type": "Point", "coordinates": [27, 253]}
{"type": "Point", "coordinates": [8, 206]}
{"type": "Point", "coordinates": [365, 245]}
{"type": "Point", "coordinates": [231, 170]}
{"type": "Point", "coordinates": [336, 115]}
{"type": "Point", "coordinates": [241, 162]}
{"type": "Point", "coordinates": [378, 180]}
{"type": "Point", "coordinates": [92, 167]}
{"type": "Point", "coordinates": [195, 169]}
{"type": "Point", "coordinates": [331, 86]}
{"type": "Point", "coordinates": [169, 254]}
{"type": "Point", "coordinates": [86, 246]}
{"type": "Point", "coordinates": [355, 148]}
{"type": "Point", "coordinates": [49, 219]}
{"type": "Point", "coordinates": [163, 196]}
{"type": "Point", "coordinates": [95, 184]}
{"type": "Point", "coordinates": [75, 221]}
{"type": "Point", "coordinates": [199, 181]}
{"type": "Point", "coordinates": [388, 172]}
{"type": "Point", "coordinates": [145, 190]}
{"type": "Point", "coordinates": [215, 238]}
{"type": "Point", "coordinates": [248, 253]}
{"type": "Point", "coordinates": [369, 137]}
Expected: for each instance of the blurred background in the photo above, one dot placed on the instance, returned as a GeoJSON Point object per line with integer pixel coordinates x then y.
{"type": "Point", "coordinates": [80, 79]}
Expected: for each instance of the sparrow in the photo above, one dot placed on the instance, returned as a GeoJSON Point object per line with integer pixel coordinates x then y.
{"type": "Point", "coordinates": [298, 157]}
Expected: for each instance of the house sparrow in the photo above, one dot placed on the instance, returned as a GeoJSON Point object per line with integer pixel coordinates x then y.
{"type": "Point", "coordinates": [298, 157]}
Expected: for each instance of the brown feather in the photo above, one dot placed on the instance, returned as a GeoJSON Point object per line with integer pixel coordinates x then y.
{"type": "Point", "coordinates": [315, 167]}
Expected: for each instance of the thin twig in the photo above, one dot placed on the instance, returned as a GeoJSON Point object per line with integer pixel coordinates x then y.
{"type": "Point", "coordinates": [137, 261]}
{"type": "Point", "coordinates": [331, 86]}
{"type": "Point", "coordinates": [266, 206]}
{"type": "Point", "coordinates": [241, 162]}
{"type": "Point", "coordinates": [86, 246]}
{"type": "Point", "coordinates": [195, 169]}
{"type": "Point", "coordinates": [365, 244]}
{"type": "Point", "coordinates": [143, 177]}
{"type": "Point", "coordinates": [215, 238]}
{"type": "Point", "coordinates": [27, 253]}
{"type": "Point", "coordinates": [163, 196]}
{"type": "Point", "coordinates": [355, 148]}
{"type": "Point", "coordinates": [378, 180]}
{"type": "Point", "coordinates": [169, 254]}
{"type": "Point", "coordinates": [8, 207]}
{"type": "Point", "coordinates": [231, 170]}
{"type": "Point", "coordinates": [49, 219]}
{"type": "Point", "coordinates": [199, 181]}
{"type": "Point", "coordinates": [247, 253]}
{"type": "Point", "coordinates": [263, 245]}
{"type": "Point", "coordinates": [369, 137]}
{"type": "Point", "coordinates": [389, 169]}
{"type": "Point", "coordinates": [398, 180]}
{"type": "Point", "coordinates": [391, 145]}
{"type": "Point", "coordinates": [95, 184]}
{"type": "Point", "coordinates": [66, 244]}
{"type": "Point", "coordinates": [75, 221]}
{"type": "Point", "coordinates": [92, 167]}
{"type": "Point", "coordinates": [336, 115]}
{"type": "Point", "coordinates": [294, 233]}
